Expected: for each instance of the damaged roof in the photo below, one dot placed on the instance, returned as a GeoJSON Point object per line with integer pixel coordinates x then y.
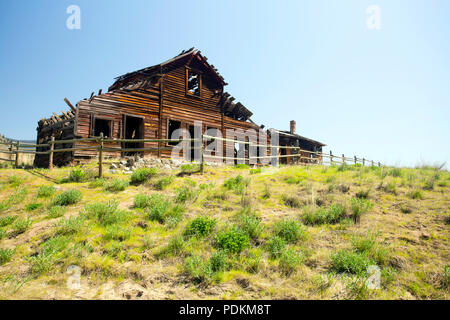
{"type": "Point", "coordinates": [191, 53]}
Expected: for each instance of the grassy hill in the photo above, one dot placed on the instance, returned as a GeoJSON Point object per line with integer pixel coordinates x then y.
{"type": "Point", "coordinates": [232, 233]}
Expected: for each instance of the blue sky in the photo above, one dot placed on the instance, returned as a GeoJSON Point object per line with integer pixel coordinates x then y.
{"type": "Point", "coordinates": [382, 94]}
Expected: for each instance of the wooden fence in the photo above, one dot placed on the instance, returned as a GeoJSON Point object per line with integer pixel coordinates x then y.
{"type": "Point", "coordinates": [14, 149]}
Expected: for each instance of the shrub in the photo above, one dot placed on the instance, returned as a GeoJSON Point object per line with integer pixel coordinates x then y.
{"type": "Point", "coordinates": [116, 185]}
{"type": "Point", "coordinates": [143, 174]}
{"type": "Point", "coordinates": [334, 214]}
{"type": "Point", "coordinates": [56, 212]}
{"type": "Point", "coordinates": [15, 181]}
{"type": "Point", "coordinates": [201, 226]}
{"type": "Point", "coordinates": [416, 194]}
{"type": "Point", "coordinates": [33, 206]}
{"type": "Point", "coordinates": [292, 201]}
{"type": "Point", "coordinates": [142, 201]}
{"type": "Point", "coordinates": [190, 168]}
{"type": "Point", "coordinates": [175, 246]}
{"type": "Point", "coordinates": [163, 211]}
{"type": "Point", "coordinates": [6, 221]}
{"type": "Point", "coordinates": [233, 240]}
{"type": "Point", "coordinates": [41, 263]}
{"type": "Point", "coordinates": [219, 262]}
{"type": "Point", "coordinates": [186, 193]}
{"type": "Point", "coordinates": [163, 183]}
{"type": "Point", "coordinates": [390, 187]}
{"type": "Point", "coordinates": [350, 262]}
{"type": "Point", "coordinates": [71, 225]}
{"type": "Point", "coordinates": [369, 246]}
{"type": "Point", "coordinates": [395, 172]}
{"type": "Point", "coordinates": [290, 230]}
{"type": "Point", "coordinates": [79, 175]}
{"type": "Point", "coordinates": [251, 225]}
{"type": "Point", "coordinates": [359, 207]}
{"type": "Point", "coordinates": [363, 194]}
{"type": "Point", "coordinates": [196, 268]}
{"type": "Point", "coordinates": [289, 261]}
{"type": "Point", "coordinates": [106, 212]}
{"type": "Point", "coordinates": [275, 247]}
{"type": "Point", "coordinates": [46, 191]}
{"type": "Point", "coordinates": [98, 183]}
{"type": "Point", "coordinates": [67, 198]}
{"type": "Point", "coordinates": [22, 225]}
{"type": "Point", "coordinates": [117, 232]}
{"type": "Point", "coordinates": [255, 171]}
{"type": "Point", "coordinates": [237, 184]}
{"type": "Point", "coordinates": [266, 192]}
{"type": "Point", "coordinates": [5, 255]}
{"type": "Point", "coordinates": [2, 233]}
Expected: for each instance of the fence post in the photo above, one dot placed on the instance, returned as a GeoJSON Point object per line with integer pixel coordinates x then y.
{"type": "Point", "coordinates": [50, 157]}
{"type": "Point", "coordinates": [202, 163]}
{"type": "Point", "coordinates": [379, 164]}
{"type": "Point", "coordinates": [331, 157]}
{"type": "Point", "coordinates": [372, 163]}
{"type": "Point", "coordinates": [100, 157]}
{"type": "Point", "coordinates": [355, 159]}
{"type": "Point", "coordinates": [11, 151]}
{"type": "Point", "coordinates": [17, 154]}
{"type": "Point", "coordinates": [343, 159]}
{"type": "Point", "coordinates": [364, 162]}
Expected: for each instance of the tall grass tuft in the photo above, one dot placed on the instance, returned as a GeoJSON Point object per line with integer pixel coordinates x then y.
{"type": "Point", "coordinates": [67, 198]}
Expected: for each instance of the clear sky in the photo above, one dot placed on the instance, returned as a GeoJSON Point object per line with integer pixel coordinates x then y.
{"type": "Point", "coordinates": [381, 94]}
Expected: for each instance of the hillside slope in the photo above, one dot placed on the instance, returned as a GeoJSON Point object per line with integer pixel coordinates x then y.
{"type": "Point", "coordinates": [232, 233]}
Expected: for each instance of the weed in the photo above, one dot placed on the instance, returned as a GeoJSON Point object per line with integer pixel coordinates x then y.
{"type": "Point", "coordinates": [142, 175]}
{"type": "Point", "coordinates": [117, 232]}
{"type": "Point", "coordinates": [46, 191]}
{"type": "Point", "coordinates": [106, 212]}
{"type": "Point", "coordinates": [289, 261]}
{"type": "Point", "coordinates": [6, 221]}
{"type": "Point", "coordinates": [292, 201]}
{"type": "Point", "coordinates": [363, 194]}
{"type": "Point", "coordinates": [218, 262]}
{"type": "Point", "coordinates": [334, 214]}
{"type": "Point", "coordinates": [237, 184]}
{"type": "Point", "coordinates": [446, 277]}
{"type": "Point", "coordinates": [15, 180]}
{"type": "Point", "coordinates": [290, 230]}
{"type": "Point", "coordinates": [116, 185]}
{"type": "Point", "coordinates": [251, 225]}
{"type": "Point", "coordinates": [266, 192]}
{"type": "Point", "coordinates": [80, 175]}
{"type": "Point", "coordinates": [359, 207]}
{"type": "Point", "coordinates": [241, 166]}
{"type": "Point", "coordinates": [195, 267]}
{"type": "Point", "coordinates": [176, 246]}
{"type": "Point", "coordinates": [33, 206]}
{"type": "Point", "coordinates": [415, 194]}
{"type": "Point", "coordinates": [255, 171]}
{"type": "Point", "coordinates": [190, 168]}
{"type": "Point", "coordinates": [201, 226]}
{"type": "Point", "coordinates": [275, 246]}
{"type": "Point", "coordinates": [163, 183]}
{"type": "Point", "coordinates": [22, 225]}
{"type": "Point", "coordinates": [350, 261]}
{"type": "Point", "coordinates": [233, 240]}
{"type": "Point", "coordinates": [71, 225]}
{"type": "Point", "coordinates": [142, 201]}
{"type": "Point", "coordinates": [6, 255]}
{"type": "Point", "coordinates": [68, 197]}
{"type": "Point", "coordinates": [98, 183]}
{"type": "Point", "coordinates": [186, 193]}
{"type": "Point", "coordinates": [56, 212]}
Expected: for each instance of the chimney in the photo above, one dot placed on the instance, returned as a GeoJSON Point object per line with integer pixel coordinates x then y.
{"type": "Point", "coordinates": [293, 125]}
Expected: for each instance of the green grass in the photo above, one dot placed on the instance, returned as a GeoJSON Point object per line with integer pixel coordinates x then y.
{"type": "Point", "coordinates": [316, 216]}
{"type": "Point", "coordinates": [7, 220]}
{"type": "Point", "coordinates": [22, 225]}
{"type": "Point", "coordinates": [349, 261]}
{"type": "Point", "coordinates": [117, 232]}
{"type": "Point", "coordinates": [164, 211]}
{"type": "Point", "coordinates": [290, 259]}
{"type": "Point", "coordinates": [68, 197]}
{"type": "Point", "coordinates": [163, 182]}
{"type": "Point", "coordinates": [232, 240]}
{"type": "Point", "coordinates": [6, 255]}
{"type": "Point", "coordinates": [56, 212]}
{"type": "Point", "coordinates": [237, 184]}
{"type": "Point", "coordinates": [71, 225]}
{"type": "Point", "coordinates": [116, 185]}
{"type": "Point", "coordinates": [106, 213]}
{"type": "Point", "coordinates": [142, 175]}
{"type": "Point", "coordinates": [275, 246]}
{"type": "Point", "coordinates": [143, 201]}
{"type": "Point", "coordinates": [359, 207]}
{"type": "Point", "coordinates": [290, 230]}
{"type": "Point", "coordinates": [201, 226]}
{"type": "Point", "coordinates": [46, 191]}
{"type": "Point", "coordinates": [33, 206]}
{"type": "Point", "coordinates": [415, 194]}
{"type": "Point", "coordinates": [80, 175]}
{"type": "Point", "coordinates": [251, 224]}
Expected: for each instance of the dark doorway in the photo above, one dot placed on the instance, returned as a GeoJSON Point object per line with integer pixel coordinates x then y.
{"type": "Point", "coordinates": [133, 129]}
{"type": "Point", "coordinates": [192, 143]}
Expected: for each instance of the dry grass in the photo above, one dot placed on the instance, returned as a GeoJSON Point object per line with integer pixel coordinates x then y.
{"type": "Point", "coordinates": [414, 230]}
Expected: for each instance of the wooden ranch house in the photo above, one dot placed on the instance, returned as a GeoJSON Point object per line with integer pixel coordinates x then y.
{"type": "Point", "coordinates": [150, 104]}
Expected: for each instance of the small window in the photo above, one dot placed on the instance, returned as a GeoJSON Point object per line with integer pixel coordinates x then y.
{"type": "Point", "coordinates": [193, 83]}
{"type": "Point", "coordinates": [172, 126]}
{"type": "Point", "coordinates": [102, 126]}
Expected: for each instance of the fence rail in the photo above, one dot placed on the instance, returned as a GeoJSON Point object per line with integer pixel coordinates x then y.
{"type": "Point", "coordinates": [16, 148]}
